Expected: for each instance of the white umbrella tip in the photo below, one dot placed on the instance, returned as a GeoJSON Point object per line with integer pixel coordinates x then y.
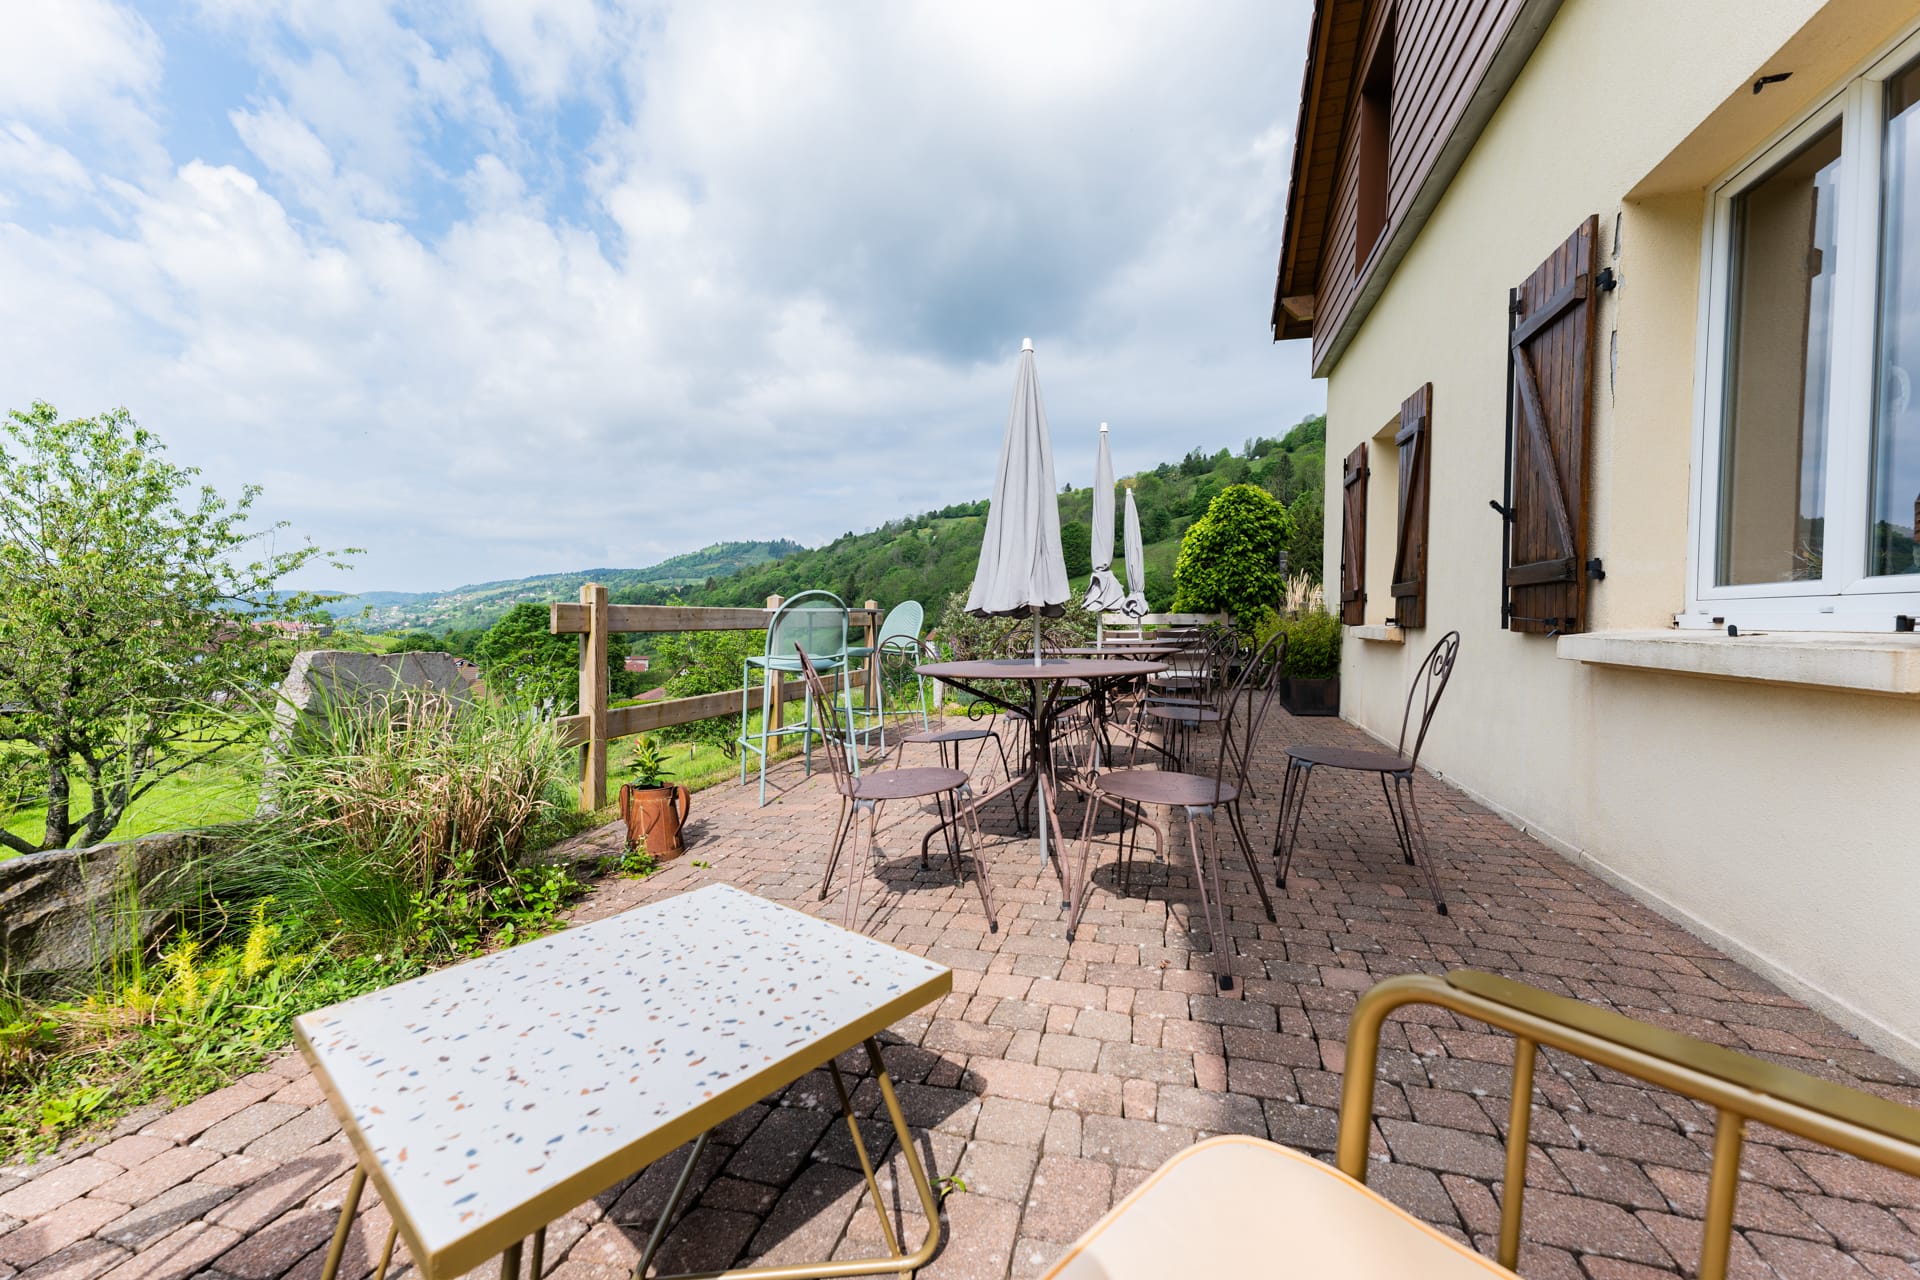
{"type": "Point", "coordinates": [1103, 426]}
{"type": "Point", "coordinates": [1026, 344]}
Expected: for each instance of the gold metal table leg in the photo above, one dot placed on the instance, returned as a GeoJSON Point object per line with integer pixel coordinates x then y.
{"type": "Point", "coordinates": [894, 1262]}
{"type": "Point", "coordinates": [348, 1208]}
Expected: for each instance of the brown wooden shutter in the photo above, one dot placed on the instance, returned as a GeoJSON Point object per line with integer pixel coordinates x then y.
{"type": "Point", "coordinates": [1353, 537]}
{"type": "Point", "coordinates": [1410, 546]}
{"type": "Point", "coordinates": [1550, 351]}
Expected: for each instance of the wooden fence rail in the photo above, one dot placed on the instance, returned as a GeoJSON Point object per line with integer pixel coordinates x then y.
{"type": "Point", "coordinates": [597, 723]}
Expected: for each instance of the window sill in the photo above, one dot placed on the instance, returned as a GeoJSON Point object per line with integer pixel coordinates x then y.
{"type": "Point", "coordinates": [1879, 663]}
{"type": "Point", "coordinates": [1379, 633]}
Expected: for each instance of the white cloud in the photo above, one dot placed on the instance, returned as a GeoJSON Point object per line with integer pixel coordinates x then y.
{"type": "Point", "coordinates": [800, 242]}
{"type": "Point", "coordinates": [65, 59]}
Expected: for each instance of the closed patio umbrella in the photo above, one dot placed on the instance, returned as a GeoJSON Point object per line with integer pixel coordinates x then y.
{"type": "Point", "coordinates": [1135, 604]}
{"type": "Point", "coordinates": [1103, 589]}
{"type": "Point", "coordinates": [1022, 570]}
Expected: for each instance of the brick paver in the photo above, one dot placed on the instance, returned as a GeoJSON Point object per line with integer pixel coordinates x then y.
{"type": "Point", "coordinates": [1058, 1074]}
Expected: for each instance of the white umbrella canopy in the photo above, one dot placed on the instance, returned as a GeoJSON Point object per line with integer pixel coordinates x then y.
{"type": "Point", "coordinates": [1135, 604]}
{"type": "Point", "coordinates": [1021, 568]}
{"type": "Point", "coordinates": [1103, 589]}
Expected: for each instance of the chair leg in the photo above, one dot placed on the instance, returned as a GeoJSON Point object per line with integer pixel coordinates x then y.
{"type": "Point", "coordinates": [1246, 851]}
{"type": "Point", "coordinates": [1287, 834]}
{"type": "Point", "coordinates": [746, 674]}
{"type": "Point", "coordinates": [1216, 932]}
{"type": "Point", "coordinates": [1400, 833]}
{"type": "Point", "coordinates": [766, 743]}
{"type": "Point", "coordinates": [1426, 853]}
{"type": "Point", "coordinates": [971, 835]}
{"type": "Point", "coordinates": [856, 871]}
{"type": "Point", "coordinates": [839, 841]}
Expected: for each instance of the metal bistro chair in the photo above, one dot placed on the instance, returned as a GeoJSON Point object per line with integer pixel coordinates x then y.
{"type": "Point", "coordinates": [1203, 798]}
{"type": "Point", "coordinates": [898, 636]}
{"type": "Point", "coordinates": [1223, 1207]}
{"type": "Point", "coordinates": [1429, 682]}
{"type": "Point", "coordinates": [868, 793]}
{"type": "Point", "coordinates": [949, 739]}
{"type": "Point", "coordinates": [815, 624]}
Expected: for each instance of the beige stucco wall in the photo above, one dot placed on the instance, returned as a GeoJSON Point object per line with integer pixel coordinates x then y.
{"type": "Point", "coordinates": [1779, 822]}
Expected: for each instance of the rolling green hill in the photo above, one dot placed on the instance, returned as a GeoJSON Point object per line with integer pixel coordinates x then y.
{"type": "Point", "coordinates": [929, 556]}
{"type": "Point", "coordinates": [481, 604]}
{"type": "Point", "coordinates": [925, 557]}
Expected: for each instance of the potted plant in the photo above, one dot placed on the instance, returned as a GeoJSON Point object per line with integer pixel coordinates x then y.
{"type": "Point", "coordinates": [655, 810]}
{"type": "Point", "coordinates": [1310, 681]}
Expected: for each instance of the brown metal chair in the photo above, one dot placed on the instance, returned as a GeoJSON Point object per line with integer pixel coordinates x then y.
{"type": "Point", "coordinates": [1202, 796]}
{"type": "Point", "coordinates": [869, 792]}
{"type": "Point", "coordinates": [1429, 682]}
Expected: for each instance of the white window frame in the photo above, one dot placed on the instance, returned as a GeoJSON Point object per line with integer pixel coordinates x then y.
{"type": "Point", "coordinates": [1844, 598]}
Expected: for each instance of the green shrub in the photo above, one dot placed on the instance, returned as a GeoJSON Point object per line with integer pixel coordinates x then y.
{"type": "Point", "coordinates": [1313, 642]}
{"type": "Point", "coordinates": [1229, 559]}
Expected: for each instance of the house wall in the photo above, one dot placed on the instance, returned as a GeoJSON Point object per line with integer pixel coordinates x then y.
{"type": "Point", "coordinates": [1777, 821]}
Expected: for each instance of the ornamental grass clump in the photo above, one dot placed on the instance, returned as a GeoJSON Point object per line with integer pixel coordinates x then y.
{"type": "Point", "coordinates": [387, 816]}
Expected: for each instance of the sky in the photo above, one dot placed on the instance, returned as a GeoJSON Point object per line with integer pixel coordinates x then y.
{"type": "Point", "coordinates": [491, 288]}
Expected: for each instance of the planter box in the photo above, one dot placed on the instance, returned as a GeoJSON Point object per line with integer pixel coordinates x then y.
{"type": "Point", "coordinates": [1311, 697]}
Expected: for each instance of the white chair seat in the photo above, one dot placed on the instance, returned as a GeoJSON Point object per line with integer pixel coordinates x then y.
{"type": "Point", "coordinates": [1237, 1206]}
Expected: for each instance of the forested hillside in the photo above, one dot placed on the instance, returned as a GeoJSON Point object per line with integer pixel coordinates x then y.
{"type": "Point", "coordinates": [929, 556]}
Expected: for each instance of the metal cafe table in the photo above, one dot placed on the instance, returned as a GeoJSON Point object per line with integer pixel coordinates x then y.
{"type": "Point", "coordinates": [488, 1099]}
{"type": "Point", "coordinates": [1044, 683]}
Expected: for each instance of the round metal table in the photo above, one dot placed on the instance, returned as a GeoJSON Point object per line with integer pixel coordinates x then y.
{"type": "Point", "coordinates": [1044, 682]}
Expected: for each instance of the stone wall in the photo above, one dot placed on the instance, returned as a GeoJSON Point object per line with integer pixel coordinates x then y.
{"type": "Point", "coordinates": [66, 913]}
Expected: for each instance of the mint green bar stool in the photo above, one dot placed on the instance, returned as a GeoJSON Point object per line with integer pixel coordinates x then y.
{"type": "Point", "coordinates": [899, 637]}
{"type": "Point", "coordinates": [813, 623]}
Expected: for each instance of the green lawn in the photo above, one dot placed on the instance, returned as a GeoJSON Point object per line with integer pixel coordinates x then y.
{"type": "Point", "coordinates": [221, 790]}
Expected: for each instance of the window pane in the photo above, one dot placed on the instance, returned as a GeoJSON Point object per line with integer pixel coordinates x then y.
{"type": "Point", "coordinates": [1895, 507]}
{"type": "Point", "coordinates": [1773, 452]}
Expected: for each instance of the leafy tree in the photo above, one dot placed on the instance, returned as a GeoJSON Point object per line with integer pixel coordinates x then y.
{"type": "Point", "coordinates": [521, 658]}
{"type": "Point", "coordinates": [706, 662]}
{"type": "Point", "coordinates": [416, 642]}
{"type": "Point", "coordinates": [1305, 545]}
{"type": "Point", "coordinates": [133, 604]}
{"type": "Point", "coordinates": [1076, 544]}
{"type": "Point", "coordinates": [1229, 559]}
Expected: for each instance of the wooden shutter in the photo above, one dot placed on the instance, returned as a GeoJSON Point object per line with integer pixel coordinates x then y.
{"type": "Point", "coordinates": [1550, 357]}
{"type": "Point", "coordinates": [1353, 537]}
{"type": "Point", "coordinates": [1410, 545]}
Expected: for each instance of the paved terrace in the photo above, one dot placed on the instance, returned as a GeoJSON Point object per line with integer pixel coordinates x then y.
{"type": "Point", "coordinates": [1056, 1076]}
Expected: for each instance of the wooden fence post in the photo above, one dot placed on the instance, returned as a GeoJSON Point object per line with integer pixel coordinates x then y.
{"type": "Point", "coordinates": [595, 694]}
{"type": "Point", "coordinates": [774, 714]}
{"type": "Point", "coordinates": [873, 657]}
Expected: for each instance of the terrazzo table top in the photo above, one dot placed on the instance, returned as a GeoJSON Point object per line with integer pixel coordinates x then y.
{"type": "Point", "coordinates": [490, 1098]}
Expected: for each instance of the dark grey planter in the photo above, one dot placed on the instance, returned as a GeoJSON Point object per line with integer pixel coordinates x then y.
{"type": "Point", "coordinates": [1307, 696]}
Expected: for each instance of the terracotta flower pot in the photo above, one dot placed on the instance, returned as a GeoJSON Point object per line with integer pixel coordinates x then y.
{"type": "Point", "coordinates": [654, 817]}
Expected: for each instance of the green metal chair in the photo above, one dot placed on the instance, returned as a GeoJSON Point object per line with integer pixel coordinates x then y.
{"type": "Point", "coordinates": [813, 623]}
{"type": "Point", "coordinates": [898, 638]}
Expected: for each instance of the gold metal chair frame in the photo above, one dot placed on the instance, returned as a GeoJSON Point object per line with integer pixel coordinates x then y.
{"type": "Point", "coordinates": [1741, 1087]}
{"type": "Point", "coordinates": [895, 1261]}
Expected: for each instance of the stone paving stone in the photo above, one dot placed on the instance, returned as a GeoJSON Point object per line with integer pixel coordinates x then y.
{"type": "Point", "coordinates": [164, 1171]}
{"type": "Point", "coordinates": [82, 1260]}
{"type": "Point", "coordinates": [1068, 1196]}
{"type": "Point", "coordinates": [190, 1121]}
{"type": "Point", "coordinates": [49, 1233]}
{"type": "Point", "coordinates": [243, 1127]}
{"type": "Point", "coordinates": [171, 1208]}
{"type": "Point", "coordinates": [307, 1128]}
{"type": "Point", "coordinates": [48, 1192]}
{"type": "Point", "coordinates": [1056, 1075]}
{"type": "Point", "coordinates": [132, 1150]}
{"type": "Point", "coordinates": [179, 1254]}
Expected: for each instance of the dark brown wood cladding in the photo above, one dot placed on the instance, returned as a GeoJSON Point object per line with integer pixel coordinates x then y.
{"type": "Point", "coordinates": [1551, 347]}
{"type": "Point", "coordinates": [1442, 50]}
